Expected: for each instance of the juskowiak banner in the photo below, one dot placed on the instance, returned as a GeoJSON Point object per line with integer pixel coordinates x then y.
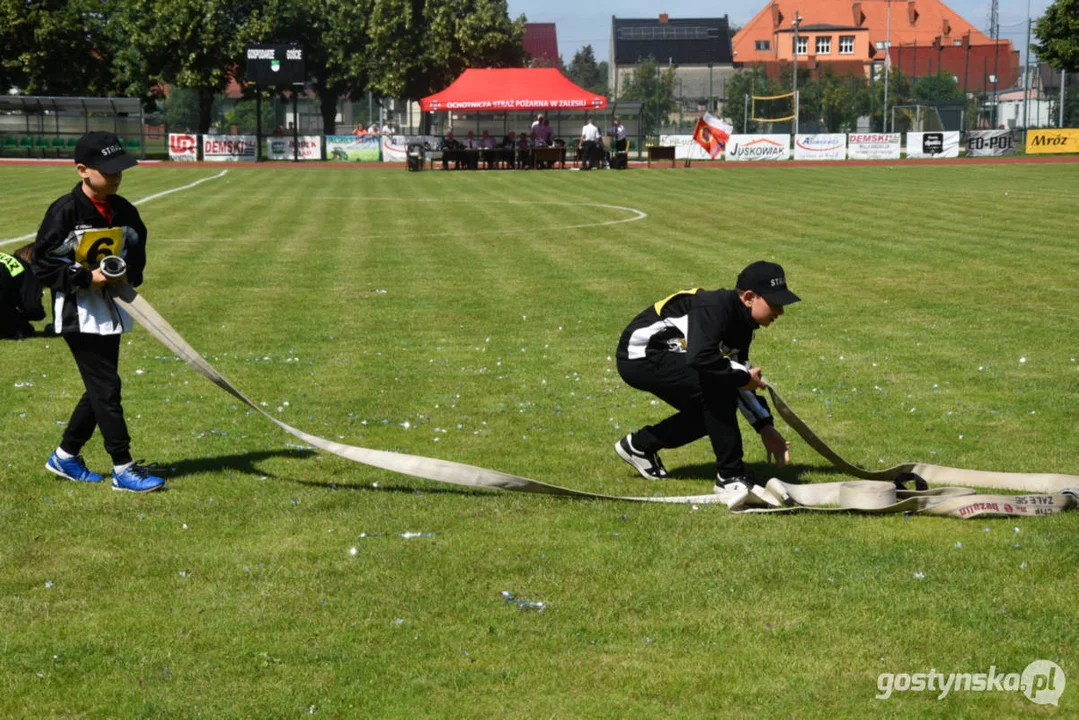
{"type": "Point", "coordinates": [991, 143]}
{"type": "Point", "coordinates": [759, 147]}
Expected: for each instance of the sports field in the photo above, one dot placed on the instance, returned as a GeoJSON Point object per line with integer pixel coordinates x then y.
{"type": "Point", "coordinates": [473, 317]}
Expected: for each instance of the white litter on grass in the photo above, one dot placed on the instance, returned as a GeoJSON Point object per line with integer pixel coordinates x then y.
{"type": "Point", "coordinates": [410, 535]}
{"type": "Point", "coordinates": [918, 575]}
{"type": "Point", "coordinates": [353, 551]}
{"type": "Point", "coordinates": [24, 385]}
{"type": "Point", "coordinates": [537, 605]}
{"type": "Point", "coordinates": [1022, 360]}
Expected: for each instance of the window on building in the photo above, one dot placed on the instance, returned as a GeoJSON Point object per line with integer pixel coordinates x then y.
{"type": "Point", "coordinates": [803, 46]}
{"type": "Point", "coordinates": [824, 45]}
{"type": "Point", "coordinates": [764, 44]}
{"type": "Point", "coordinates": [846, 44]}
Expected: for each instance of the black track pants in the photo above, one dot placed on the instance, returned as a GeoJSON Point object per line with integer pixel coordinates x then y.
{"type": "Point", "coordinates": [97, 357]}
{"type": "Point", "coordinates": [714, 413]}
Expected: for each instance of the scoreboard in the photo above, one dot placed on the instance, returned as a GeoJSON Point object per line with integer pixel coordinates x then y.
{"type": "Point", "coordinates": [278, 65]}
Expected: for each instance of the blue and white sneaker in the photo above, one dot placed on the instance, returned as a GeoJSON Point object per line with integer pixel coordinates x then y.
{"type": "Point", "coordinates": [73, 469]}
{"type": "Point", "coordinates": [136, 478]}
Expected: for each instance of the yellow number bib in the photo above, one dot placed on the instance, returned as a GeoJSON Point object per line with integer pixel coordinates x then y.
{"type": "Point", "coordinates": [97, 244]}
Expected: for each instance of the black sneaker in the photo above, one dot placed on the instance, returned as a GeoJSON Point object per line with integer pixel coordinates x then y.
{"type": "Point", "coordinates": [647, 464]}
{"type": "Point", "coordinates": [735, 482]}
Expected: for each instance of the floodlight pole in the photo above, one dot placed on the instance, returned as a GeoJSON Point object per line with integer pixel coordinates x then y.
{"type": "Point", "coordinates": [295, 125]}
{"type": "Point", "coordinates": [887, 64]}
{"type": "Point", "coordinates": [1063, 79]}
{"type": "Point", "coordinates": [258, 123]}
{"type": "Point", "coordinates": [794, 85]}
{"type": "Point", "coordinates": [1026, 78]}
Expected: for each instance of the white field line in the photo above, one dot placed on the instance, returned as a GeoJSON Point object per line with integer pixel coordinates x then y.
{"type": "Point", "coordinates": [23, 238]}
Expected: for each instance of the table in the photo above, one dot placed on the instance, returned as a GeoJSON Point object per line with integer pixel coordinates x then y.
{"type": "Point", "coordinates": [551, 155]}
{"type": "Point", "coordinates": [660, 152]}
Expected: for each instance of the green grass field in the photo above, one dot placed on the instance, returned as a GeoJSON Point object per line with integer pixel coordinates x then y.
{"type": "Point", "coordinates": [473, 317]}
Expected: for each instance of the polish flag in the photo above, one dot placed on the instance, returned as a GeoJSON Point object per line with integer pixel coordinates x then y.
{"type": "Point", "coordinates": [712, 134]}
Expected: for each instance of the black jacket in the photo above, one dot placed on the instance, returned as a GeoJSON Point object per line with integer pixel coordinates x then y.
{"type": "Point", "coordinates": [19, 288]}
{"type": "Point", "coordinates": [714, 329]}
{"type": "Point", "coordinates": [62, 232]}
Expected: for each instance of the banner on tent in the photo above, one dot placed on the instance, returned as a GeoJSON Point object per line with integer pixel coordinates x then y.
{"type": "Point", "coordinates": [228, 148]}
{"type": "Point", "coordinates": [991, 143]}
{"type": "Point", "coordinates": [933, 144]}
{"type": "Point", "coordinates": [281, 148]}
{"type": "Point", "coordinates": [183, 147]}
{"type": "Point", "coordinates": [759, 147]}
{"type": "Point", "coordinates": [827, 146]}
{"type": "Point", "coordinates": [353, 148]}
{"type": "Point", "coordinates": [874, 146]}
{"type": "Point", "coordinates": [685, 147]}
{"type": "Point", "coordinates": [1064, 140]}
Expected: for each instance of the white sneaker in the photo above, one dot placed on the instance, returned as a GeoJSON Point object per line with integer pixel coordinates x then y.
{"type": "Point", "coordinates": [647, 464]}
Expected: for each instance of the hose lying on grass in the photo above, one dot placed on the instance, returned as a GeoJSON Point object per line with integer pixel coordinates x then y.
{"type": "Point", "coordinates": [878, 492]}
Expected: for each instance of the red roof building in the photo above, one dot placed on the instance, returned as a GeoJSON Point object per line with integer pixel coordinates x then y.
{"type": "Point", "coordinates": [541, 43]}
{"type": "Point", "coordinates": [926, 36]}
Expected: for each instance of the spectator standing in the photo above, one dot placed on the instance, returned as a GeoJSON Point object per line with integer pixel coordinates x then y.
{"type": "Point", "coordinates": [590, 138]}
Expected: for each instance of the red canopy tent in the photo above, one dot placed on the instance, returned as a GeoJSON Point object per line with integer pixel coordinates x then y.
{"type": "Point", "coordinates": [512, 89]}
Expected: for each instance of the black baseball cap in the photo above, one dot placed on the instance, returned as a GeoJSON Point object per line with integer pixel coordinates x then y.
{"type": "Point", "coordinates": [767, 280]}
{"type": "Point", "coordinates": [104, 152]}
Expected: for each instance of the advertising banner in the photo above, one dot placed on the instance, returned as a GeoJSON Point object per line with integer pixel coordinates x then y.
{"type": "Point", "coordinates": [759, 147]}
{"type": "Point", "coordinates": [183, 148]}
{"type": "Point", "coordinates": [395, 147]}
{"type": "Point", "coordinates": [228, 148]}
{"type": "Point", "coordinates": [1065, 140]}
{"type": "Point", "coordinates": [828, 146]}
{"type": "Point", "coordinates": [933, 144]}
{"type": "Point", "coordinates": [685, 147]}
{"type": "Point", "coordinates": [353, 148]}
{"type": "Point", "coordinates": [991, 143]}
{"type": "Point", "coordinates": [874, 146]}
{"type": "Point", "coordinates": [281, 148]}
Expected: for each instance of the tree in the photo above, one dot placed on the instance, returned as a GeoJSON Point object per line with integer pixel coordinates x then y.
{"type": "Point", "coordinates": [654, 87]}
{"type": "Point", "coordinates": [1058, 35]}
{"type": "Point", "coordinates": [56, 48]}
{"type": "Point", "coordinates": [416, 47]}
{"type": "Point", "coordinates": [194, 44]}
{"type": "Point", "coordinates": [584, 71]}
{"type": "Point", "coordinates": [929, 89]}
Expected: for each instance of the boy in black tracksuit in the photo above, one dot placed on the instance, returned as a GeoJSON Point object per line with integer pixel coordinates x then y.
{"type": "Point", "coordinates": [691, 350]}
{"type": "Point", "coordinates": [20, 295]}
{"type": "Point", "coordinates": [78, 231]}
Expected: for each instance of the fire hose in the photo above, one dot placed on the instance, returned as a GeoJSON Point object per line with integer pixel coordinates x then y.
{"type": "Point", "coordinates": [877, 492]}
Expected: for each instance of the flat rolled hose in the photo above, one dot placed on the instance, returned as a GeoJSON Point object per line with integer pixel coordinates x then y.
{"type": "Point", "coordinates": [113, 267]}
